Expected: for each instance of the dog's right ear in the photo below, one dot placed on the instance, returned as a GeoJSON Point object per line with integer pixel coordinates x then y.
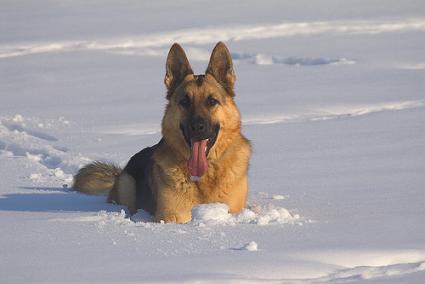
{"type": "Point", "coordinates": [176, 68]}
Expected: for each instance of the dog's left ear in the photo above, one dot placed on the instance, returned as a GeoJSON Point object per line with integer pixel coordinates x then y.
{"type": "Point", "coordinates": [221, 67]}
{"type": "Point", "coordinates": [176, 69]}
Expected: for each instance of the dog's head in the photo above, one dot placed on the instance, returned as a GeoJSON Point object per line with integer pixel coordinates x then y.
{"type": "Point", "coordinates": [201, 114]}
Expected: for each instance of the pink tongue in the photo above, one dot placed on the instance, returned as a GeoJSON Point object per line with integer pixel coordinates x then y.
{"type": "Point", "coordinates": [197, 164]}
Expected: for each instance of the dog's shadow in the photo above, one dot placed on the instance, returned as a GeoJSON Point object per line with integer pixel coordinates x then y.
{"type": "Point", "coordinates": [54, 199]}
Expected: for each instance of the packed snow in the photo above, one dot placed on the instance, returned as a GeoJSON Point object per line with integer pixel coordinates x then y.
{"type": "Point", "coordinates": [217, 213]}
{"type": "Point", "coordinates": [332, 98]}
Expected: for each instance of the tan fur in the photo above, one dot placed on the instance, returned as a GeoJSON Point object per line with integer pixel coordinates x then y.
{"type": "Point", "coordinates": [124, 192]}
{"type": "Point", "coordinates": [226, 180]}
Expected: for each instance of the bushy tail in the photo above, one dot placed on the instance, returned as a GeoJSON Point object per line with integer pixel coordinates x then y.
{"type": "Point", "coordinates": [96, 178]}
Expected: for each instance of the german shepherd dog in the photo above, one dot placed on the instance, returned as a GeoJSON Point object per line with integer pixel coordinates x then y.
{"type": "Point", "coordinates": [202, 156]}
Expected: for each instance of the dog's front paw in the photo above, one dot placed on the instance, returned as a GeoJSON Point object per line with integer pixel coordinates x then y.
{"type": "Point", "coordinates": [173, 218]}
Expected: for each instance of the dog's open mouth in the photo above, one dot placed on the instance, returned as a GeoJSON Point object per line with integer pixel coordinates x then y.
{"type": "Point", "coordinates": [197, 165]}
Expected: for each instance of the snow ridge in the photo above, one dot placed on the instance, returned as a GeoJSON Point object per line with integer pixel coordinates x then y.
{"type": "Point", "coordinates": [325, 113]}
{"type": "Point", "coordinates": [374, 272]}
{"type": "Point", "coordinates": [148, 44]}
{"type": "Point", "coordinates": [336, 112]}
{"type": "Point", "coordinates": [19, 140]}
{"type": "Point", "coordinates": [265, 59]}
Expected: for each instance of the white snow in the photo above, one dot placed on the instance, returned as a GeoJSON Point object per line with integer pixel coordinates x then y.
{"type": "Point", "coordinates": [251, 246]}
{"type": "Point", "coordinates": [218, 213]}
{"type": "Point", "coordinates": [278, 197]}
{"type": "Point", "coordinates": [331, 96]}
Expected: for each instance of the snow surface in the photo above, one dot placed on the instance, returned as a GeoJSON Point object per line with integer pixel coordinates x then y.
{"type": "Point", "coordinates": [331, 95]}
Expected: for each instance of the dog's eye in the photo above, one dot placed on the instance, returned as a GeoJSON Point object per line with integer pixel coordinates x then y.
{"type": "Point", "coordinates": [185, 102]}
{"type": "Point", "coordinates": [212, 102]}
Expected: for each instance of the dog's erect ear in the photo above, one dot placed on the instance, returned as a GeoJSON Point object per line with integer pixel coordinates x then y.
{"type": "Point", "coordinates": [176, 68]}
{"type": "Point", "coordinates": [221, 67]}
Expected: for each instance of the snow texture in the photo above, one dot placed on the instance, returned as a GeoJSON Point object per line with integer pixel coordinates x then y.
{"type": "Point", "coordinates": [217, 213]}
{"type": "Point", "coordinates": [331, 96]}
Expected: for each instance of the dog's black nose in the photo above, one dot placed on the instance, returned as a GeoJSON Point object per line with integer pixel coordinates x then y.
{"type": "Point", "coordinates": [198, 127]}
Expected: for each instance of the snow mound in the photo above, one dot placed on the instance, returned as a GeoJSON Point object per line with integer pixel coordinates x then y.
{"type": "Point", "coordinates": [251, 246]}
{"type": "Point", "coordinates": [202, 215]}
{"type": "Point", "coordinates": [278, 197]}
{"type": "Point", "coordinates": [218, 214]}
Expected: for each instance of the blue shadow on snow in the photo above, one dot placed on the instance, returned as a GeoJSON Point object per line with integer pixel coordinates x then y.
{"type": "Point", "coordinates": [51, 199]}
